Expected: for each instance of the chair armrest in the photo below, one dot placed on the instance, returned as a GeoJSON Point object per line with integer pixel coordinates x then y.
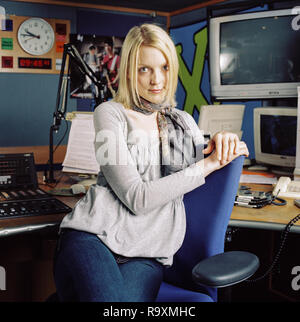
{"type": "Point", "coordinates": [225, 269]}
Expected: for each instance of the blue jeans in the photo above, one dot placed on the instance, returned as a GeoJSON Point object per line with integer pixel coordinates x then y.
{"type": "Point", "coordinates": [86, 270]}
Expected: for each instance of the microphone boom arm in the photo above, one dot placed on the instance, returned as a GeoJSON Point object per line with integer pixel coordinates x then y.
{"type": "Point", "coordinates": [62, 93]}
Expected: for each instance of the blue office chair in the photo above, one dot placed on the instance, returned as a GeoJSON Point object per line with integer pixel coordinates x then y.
{"type": "Point", "coordinates": [208, 209]}
{"type": "Point", "coordinates": [201, 266]}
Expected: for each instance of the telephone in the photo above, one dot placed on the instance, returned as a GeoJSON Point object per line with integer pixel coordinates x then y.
{"type": "Point", "coordinates": [287, 188]}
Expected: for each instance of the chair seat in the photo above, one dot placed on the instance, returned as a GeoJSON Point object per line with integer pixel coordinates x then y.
{"type": "Point", "coordinates": [171, 293]}
{"type": "Point", "coordinates": [225, 269]}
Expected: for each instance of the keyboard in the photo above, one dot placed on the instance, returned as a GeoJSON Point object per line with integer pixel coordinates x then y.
{"type": "Point", "coordinates": [26, 208]}
{"type": "Point", "coordinates": [20, 195]}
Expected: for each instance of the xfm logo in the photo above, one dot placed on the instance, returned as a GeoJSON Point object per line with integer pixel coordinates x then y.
{"type": "Point", "coordinates": [191, 80]}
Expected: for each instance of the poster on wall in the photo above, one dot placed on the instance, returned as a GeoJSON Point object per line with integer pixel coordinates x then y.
{"type": "Point", "coordinates": [102, 55]}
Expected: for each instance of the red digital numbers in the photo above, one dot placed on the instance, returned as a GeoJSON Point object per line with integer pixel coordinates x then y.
{"type": "Point", "coordinates": [35, 63]}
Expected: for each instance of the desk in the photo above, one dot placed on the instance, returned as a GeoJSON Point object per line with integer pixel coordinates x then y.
{"type": "Point", "coordinates": [260, 234]}
{"type": "Point", "coordinates": [20, 225]}
{"type": "Point", "coordinates": [27, 247]}
{"type": "Point", "coordinates": [270, 217]}
{"type": "Point", "coordinates": [41, 153]}
{"type": "Point", "coordinates": [27, 254]}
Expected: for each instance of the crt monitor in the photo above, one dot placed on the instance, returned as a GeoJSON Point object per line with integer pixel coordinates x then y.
{"type": "Point", "coordinates": [275, 135]}
{"type": "Point", "coordinates": [255, 55]}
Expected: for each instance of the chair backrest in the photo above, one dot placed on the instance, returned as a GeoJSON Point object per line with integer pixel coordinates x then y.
{"type": "Point", "coordinates": [208, 210]}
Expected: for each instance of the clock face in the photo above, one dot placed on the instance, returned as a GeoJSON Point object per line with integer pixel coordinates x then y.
{"type": "Point", "coordinates": [36, 36]}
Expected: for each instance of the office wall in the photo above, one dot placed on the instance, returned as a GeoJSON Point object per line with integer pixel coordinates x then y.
{"type": "Point", "coordinates": [27, 101]}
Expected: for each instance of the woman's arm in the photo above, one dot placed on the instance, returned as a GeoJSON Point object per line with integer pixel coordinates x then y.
{"type": "Point", "coordinates": [121, 172]}
{"type": "Point", "coordinates": [224, 147]}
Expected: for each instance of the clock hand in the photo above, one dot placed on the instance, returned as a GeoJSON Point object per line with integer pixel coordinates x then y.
{"type": "Point", "coordinates": [27, 35]}
{"type": "Point", "coordinates": [31, 34]}
{"type": "Point", "coordinates": [25, 40]}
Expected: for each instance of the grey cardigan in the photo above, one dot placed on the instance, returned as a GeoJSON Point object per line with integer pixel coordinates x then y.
{"type": "Point", "coordinates": [133, 209]}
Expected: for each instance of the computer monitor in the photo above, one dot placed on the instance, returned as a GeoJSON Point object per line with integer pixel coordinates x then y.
{"type": "Point", "coordinates": [255, 55]}
{"type": "Point", "coordinates": [275, 134]}
{"type": "Point", "coordinates": [223, 117]}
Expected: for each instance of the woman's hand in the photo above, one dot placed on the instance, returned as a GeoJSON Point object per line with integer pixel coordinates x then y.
{"type": "Point", "coordinates": [224, 147]}
{"type": "Point", "coordinates": [227, 145]}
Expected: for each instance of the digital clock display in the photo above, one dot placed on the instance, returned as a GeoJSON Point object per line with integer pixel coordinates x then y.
{"type": "Point", "coordinates": [34, 63]}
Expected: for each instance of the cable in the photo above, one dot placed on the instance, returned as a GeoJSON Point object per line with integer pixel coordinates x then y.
{"type": "Point", "coordinates": [277, 256]}
{"type": "Point", "coordinates": [66, 130]}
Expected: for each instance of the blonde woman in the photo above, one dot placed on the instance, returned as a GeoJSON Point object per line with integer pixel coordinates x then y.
{"type": "Point", "coordinates": [115, 243]}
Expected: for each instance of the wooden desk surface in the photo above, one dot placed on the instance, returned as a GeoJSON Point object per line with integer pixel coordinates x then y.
{"type": "Point", "coordinates": [41, 152]}
{"type": "Point", "coordinates": [270, 215]}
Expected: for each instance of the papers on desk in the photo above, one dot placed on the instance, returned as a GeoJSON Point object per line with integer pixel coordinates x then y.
{"type": "Point", "coordinates": [259, 178]}
{"type": "Point", "coordinates": [80, 156]}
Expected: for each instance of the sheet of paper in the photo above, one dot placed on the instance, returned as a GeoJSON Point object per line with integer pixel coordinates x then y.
{"type": "Point", "coordinates": [78, 170]}
{"type": "Point", "coordinates": [260, 179]}
{"type": "Point", "coordinates": [80, 155]}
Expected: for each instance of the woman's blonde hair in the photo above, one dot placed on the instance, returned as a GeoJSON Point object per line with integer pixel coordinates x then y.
{"type": "Point", "coordinates": [149, 35]}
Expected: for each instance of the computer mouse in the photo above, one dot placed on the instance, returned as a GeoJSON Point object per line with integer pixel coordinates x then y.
{"type": "Point", "coordinates": [78, 189]}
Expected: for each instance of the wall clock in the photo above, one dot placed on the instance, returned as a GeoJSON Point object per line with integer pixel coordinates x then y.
{"type": "Point", "coordinates": [36, 36]}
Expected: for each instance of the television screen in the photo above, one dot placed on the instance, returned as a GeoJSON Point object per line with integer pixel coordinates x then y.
{"type": "Point", "coordinates": [258, 51]}
{"type": "Point", "coordinates": [254, 55]}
